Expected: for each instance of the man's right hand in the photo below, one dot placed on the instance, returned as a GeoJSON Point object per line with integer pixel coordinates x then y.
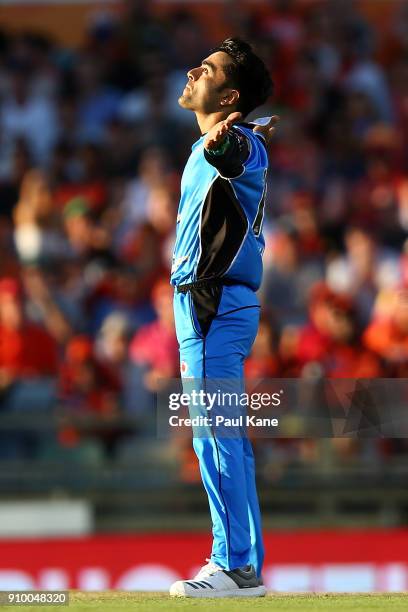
{"type": "Point", "coordinates": [218, 132]}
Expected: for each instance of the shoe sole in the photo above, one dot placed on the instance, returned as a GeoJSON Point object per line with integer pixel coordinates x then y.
{"type": "Point", "coordinates": [259, 591]}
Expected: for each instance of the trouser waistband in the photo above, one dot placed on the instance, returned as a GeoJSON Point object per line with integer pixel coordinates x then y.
{"type": "Point", "coordinates": [209, 282]}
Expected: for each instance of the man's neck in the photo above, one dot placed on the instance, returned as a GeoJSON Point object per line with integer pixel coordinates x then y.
{"type": "Point", "coordinates": [206, 122]}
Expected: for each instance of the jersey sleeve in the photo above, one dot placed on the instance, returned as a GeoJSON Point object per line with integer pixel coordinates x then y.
{"type": "Point", "coordinates": [230, 159]}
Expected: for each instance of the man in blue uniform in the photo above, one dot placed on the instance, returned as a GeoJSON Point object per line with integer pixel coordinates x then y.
{"type": "Point", "coordinates": [216, 271]}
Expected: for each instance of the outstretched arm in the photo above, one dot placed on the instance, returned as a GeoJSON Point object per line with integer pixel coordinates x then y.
{"type": "Point", "coordinates": [227, 149]}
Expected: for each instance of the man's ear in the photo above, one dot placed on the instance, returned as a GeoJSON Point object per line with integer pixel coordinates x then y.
{"type": "Point", "coordinates": [230, 98]}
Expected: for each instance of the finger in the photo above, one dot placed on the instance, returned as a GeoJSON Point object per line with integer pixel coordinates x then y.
{"type": "Point", "coordinates": [222, 130]}
{"type": "Point", "coordinates": [262, 130]}
{"type": "Point", "coordinates": [268, 130]}
{"type": "Point", "coordinates": [218, 134]}
{"type": "Point", "coordinates": [233, 118]}
{"type": "Point", "coordinates": [213, 142]}
{"type": "Point", "coordinates": [274, 120]}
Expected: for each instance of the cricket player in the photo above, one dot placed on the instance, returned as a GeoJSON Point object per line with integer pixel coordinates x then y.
{"type": "Point", "coordinates": [216, 271]}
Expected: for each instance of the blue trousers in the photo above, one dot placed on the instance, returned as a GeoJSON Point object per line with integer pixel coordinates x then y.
{"type": "Point", "coordinates": [216, 329]}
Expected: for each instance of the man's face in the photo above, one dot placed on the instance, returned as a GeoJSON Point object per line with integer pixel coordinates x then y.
{"type": "Point", "coordinates": [207, 85]}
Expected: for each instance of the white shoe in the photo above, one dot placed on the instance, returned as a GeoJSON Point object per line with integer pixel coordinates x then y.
{"type": "Point", "coordinates": [207, 570]}
{"type": "Point", "coordinates": [216, 582]}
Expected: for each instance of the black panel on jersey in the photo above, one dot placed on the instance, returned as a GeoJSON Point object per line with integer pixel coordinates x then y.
{"type": "Point", "coordinates": [231, 163]}
{"type": "Point", "coordinates": [223, 227]}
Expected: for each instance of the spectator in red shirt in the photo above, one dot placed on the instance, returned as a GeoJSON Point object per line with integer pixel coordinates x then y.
{"type": "Point", "coordinates": [26, 350]}
{"type": "Point", "coordinates": [28, 367]}
{"type": "Point", "coordinates": [314, 338]}
{"type": "Point", "coordinates": [332, 341]}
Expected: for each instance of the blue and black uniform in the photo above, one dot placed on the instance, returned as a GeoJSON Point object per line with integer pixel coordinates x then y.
{"type": "Point", "coordinates": [217, 269]}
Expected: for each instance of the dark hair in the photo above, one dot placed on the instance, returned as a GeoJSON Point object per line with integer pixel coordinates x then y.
{"type": "Point", "coordinates": [247, 73]}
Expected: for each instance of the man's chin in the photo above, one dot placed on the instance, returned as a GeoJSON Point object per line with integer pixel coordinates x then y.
{"type": "Point", "coordinates": [185, 102]}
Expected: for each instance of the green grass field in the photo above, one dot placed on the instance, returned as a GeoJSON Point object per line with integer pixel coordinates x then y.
{"type": "Point", "coordinates": [150, 602]}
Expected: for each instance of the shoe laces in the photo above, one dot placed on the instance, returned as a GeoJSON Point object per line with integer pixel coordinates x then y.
{"type": "Point", "coordinates": [210, 568]}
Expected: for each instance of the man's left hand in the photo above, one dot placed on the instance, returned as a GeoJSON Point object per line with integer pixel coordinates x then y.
{"type": "Point", "coordinates": [268, 130]}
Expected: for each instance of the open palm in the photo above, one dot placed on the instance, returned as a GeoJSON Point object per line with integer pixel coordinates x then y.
{"type": "Point", "coordinates": [218, 132]}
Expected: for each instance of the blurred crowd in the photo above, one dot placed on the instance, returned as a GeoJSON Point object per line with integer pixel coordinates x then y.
{"type": "Point", "coordinates": [92, 147]}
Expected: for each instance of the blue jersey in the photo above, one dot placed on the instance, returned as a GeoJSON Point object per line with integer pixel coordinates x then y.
{"type": "Point", "coordinates": [219, 221]}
